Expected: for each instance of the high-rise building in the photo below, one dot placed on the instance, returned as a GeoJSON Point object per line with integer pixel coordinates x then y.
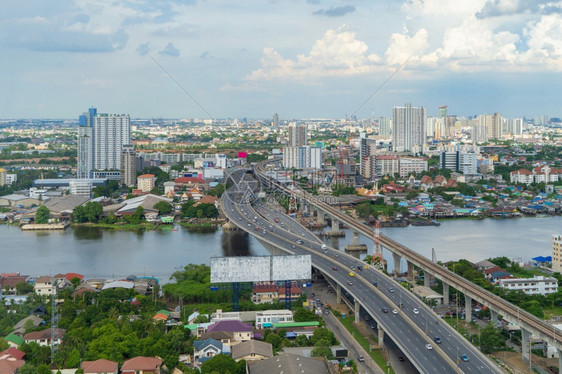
{"type": "Point", "coordinates": [128, 169]}
{"type": "Point", "coordinates": [557, 253]}
{"type": "Point", "coordinates": [100, 141]}
{"type": "Point", "coordinates": [111, 132]}
{"type": "Point", "coordinates": [276, 121]}
{"type": "Point", "coordinates": [86, 144]}
{"type": "Point", "coordinates": [302, 157]}
{"type": "Point", "coordinates": [514, 126]}
{"type": "Point", "coordinates": [408, 128]}
{"type": "Point", "coordinates": [297, 135]}
{"type": "Point", "coordinates": [465, 162]}
{"type": "Point", "coordinates": [3, 177]}
{"type": "Point", "coordinates": [367, 149]}
{"type": "Point", "coordinates": [385, 126]}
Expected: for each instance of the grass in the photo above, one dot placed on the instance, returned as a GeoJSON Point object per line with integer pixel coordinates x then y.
{"type": "Point", "coordinates": [553, 311]}
{"type": "Point", "coordinates": [376, 355]}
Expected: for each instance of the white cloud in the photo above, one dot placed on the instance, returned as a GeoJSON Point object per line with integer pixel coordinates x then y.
{"type": "Point", "coordinates": [402, 46]}
{"type": "Point", "coordinates": [545, 41]}
{"type": "Point", "coordinates": [338, 53]}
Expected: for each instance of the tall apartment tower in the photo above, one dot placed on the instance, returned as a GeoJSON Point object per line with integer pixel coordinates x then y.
{"type": "Point", "coordinates": [408, 128]}
{"type": "Point", "coordinates": [367, 151]}
{"type": "Point", "coordinates": [128, 169]}
{"type": "Point", "coordinates": [297, 135]}
{"type": "Point", "coordinates": [557, 253]}
{"type": "Point", "coordinates": [385, 126]}
{"type": "Point", "coordinates": [276, 121]}
{"type": "Point", "coordinates": [495, 130]}
{"type": "Point", "coordinates": [111, 133]}
{"type": "Point", "coordinates": [86, 144]}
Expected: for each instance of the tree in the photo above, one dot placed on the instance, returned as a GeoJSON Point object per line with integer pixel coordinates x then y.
{"type": "Point", "coordinates": [491, 338]}
{"type": "Point", "coordinates": [23, 288]}
{"type": "Point", "coordinates": [42, 215]}
{"type": "Point", "coordinates": [223, 364]}
{"type": "Point", "coordinates": [92, 211]}
{"type": "Point", "coordinates": [301, 341]}
{"type": "Point", "coordinates": [323, 334]}
{"type": "Point", "coordinates": [304, 315]}
{"type": "Point", "coordinates": [363, 210]}
{"type": "Point", "coordinates": [163, 207]}
{"type": "Point", "coordinates": [275, 340]}
{"type": "Point", "coordinates": [136, 217]}
{"type": "Point", "coordinates": [73, 360]}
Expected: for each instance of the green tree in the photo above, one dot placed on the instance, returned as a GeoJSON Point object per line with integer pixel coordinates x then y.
{"type": "Point", "coordinates": [42, 215]}
{"type": "Point", "coordinates": [223, 364]}
{"type": "Point", "coordinates": [301, 341]}
{"type": "Point", "coordinates": [304, 315]}
{"type": "Point", "coordinates": [23, 288]}
{"type": "Point", "coordinates": [275, 340]}
{"type": "Point", "coordinates": [363, 210]}
{"type": "Point", "coordinates": [136, 217]}
{"type": "Point", "coordinates": [164, 207]}
{"type": "Point", "coordinates": [491, 338]}
{"type": "Point", "coordinates": [323, 334]}
{"type": "Point", "coordinates": [73, 360]}
{"type": "Point", "coordinates": [92, 211]}
{"type": "Point", "coordinates": [79, 214]}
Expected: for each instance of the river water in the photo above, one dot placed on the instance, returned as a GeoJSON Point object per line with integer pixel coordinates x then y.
{"type": "Point", "coordinates": [113, 254]}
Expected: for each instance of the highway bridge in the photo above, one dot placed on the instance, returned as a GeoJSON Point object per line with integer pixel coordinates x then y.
{"type": "Point", "coordinates": [403, 317]}
{"type": "Point", "coordinates": [498, 306]}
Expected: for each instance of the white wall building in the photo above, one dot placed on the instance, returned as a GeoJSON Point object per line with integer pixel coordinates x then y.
{"type": "Point", "coordinates": [302, 157]}
{"type": "Point", "coordinates": [410, 165]}
{"type": "Point", "coordinates": [538, 285]}
{"type": "Point", "coordinates": [110, 133]}
{"type": "Point", "coordinates": [267, 318]}
{"type": "Point", "coordinates": [409, 128]}
{"type": "Point", "coordinates": [80, 187]}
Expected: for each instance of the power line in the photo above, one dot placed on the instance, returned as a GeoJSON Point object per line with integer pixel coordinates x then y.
{"type": "Point", "coordinates": [180, 86]}
{"type": "Point", "coordinates": [383, 84]}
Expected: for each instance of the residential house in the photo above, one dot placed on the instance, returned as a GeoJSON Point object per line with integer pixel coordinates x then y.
{"type": "Point", "coordinates": [225, 337]}
{"type": "Point", "coordinates": [45, 286]}
{"type": "Point", "coordinates": [538, 285]}
{"type": "Point", "coordinates": [14, 340]}
{"type": "Point", "coordinates": [252, 350]}
{"type": "Point", "coordinates": [39, 311]}
{"type": "Point", "coordinates": [206, 349]}
{"type": "Point", "coordinates": [142, 365]}
{"type": "Point", "coordinates": [44, 337]}
{"type": "Point", "coordinates": [426, 182]}
{"type": "Point", "coordinates": [241, 331]}
{"type": "Point", "coordinates": [440, 181]}
{"type": "Point", "coordinates": [10, 281]}
{"type": "Point", "coordinates": [100, 366]}
{"type": "Point", "coordinates": [289, 363]}
{"type": "Point", "coordinates": [295, 293]}
{"type": "Point", "coordinates": [494, 273]}
{"type": "Point", "coordinates": [10, 366]}
{"type": "Point", "coordinates": [12, 354]}
{"type": "Point", "coordinates": [33, 321]}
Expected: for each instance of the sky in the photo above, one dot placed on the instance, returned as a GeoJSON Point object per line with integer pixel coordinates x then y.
{"type": "Point", "coordinates": [297, 58]}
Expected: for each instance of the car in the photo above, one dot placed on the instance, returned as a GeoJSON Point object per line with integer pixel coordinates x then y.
{"type": "Point", "coordinates": [394, 311]}
{"type": "Point", "coordinates": [391, 289]}
{"type": "Point", "coordinates": [249, 224]}
{"type": "Point", "coordinates": [416, 311]}
{"type": "Point", "coordinates": [335, 268]}
{"type": "Point", "coordinates": [367, 318]}
{"type": "Point", "coordinates": [324, 246]}
{"type": "Point", "coordinates": [351, 274]}
{"type": "Point", "coordinates": [350, 283]}
{"type": "Point", "coordinates": [326, 311]}
{"type": "Point", "coordinates": [352, 267]}
{"type": "Point", "coordinates": [464, 357]}
{"type": "Point", "coordinates": [376, 284]}
{"type": "Point", "coordinates": [437, 340]}
{"type": "Point", "coordinates": [360, 267]}
{"type": "Point", "coordinates": [428, 346]}
{"type": "Point", "coordinates": [293, 246]}
{"type": "Point", "coordinates": [384, 310]}
{"type": "Point", "coordinates": [361, 359]}
{"type": "Point", "coordinates": [373, 326]}
{"type": "Point", "coordinates": [401, 358]}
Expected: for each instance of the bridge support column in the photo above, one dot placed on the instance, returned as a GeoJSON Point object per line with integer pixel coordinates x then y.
{"type": "Point", "coordinates": [559, 358]}
{"type": "Point", "coordinates": [397, 258]}
{"type": "Point", "coordinates": [380, 334]}
{"type": "Point", "coordinates": [355, 248]}
{"type": "Point", "coordinates": [467, 308]}
{"type": "Point", "coordinates": [320, 217]}
{"type": "Point", "coordinates": [356, 312]}
{"type": "Point", "coordinates": [355, 238]}
{"type": "Point", "coordinates": [494, 316]}
{"type": "Point", "coordinates": [525, 344]}
{"type": "Point", "coordinates": [338, 293]}
{"type": "Point", "coordinates": [445, 293]}
{"type": "Point", "coordinates": [411, 275]}
{"type": "Point", "coordinates": [335, 229]}
{"type": "Point", "coordinates": [426, 278]}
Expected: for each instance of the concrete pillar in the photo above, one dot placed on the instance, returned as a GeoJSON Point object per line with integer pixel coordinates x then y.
{"type": "Point", "coordinates": [525, 344]}
{"type": "Point", "coordinates": [381, 334]}
{"type": "Point", "coordinates": [426, 278]}
{"type": "Point", "coordinates": [494, 316]}
{"type": "Point", "coordinates": [355, 238]}
{"type": "Point", "coordinates": [559, 358]}
{"type": "Point", "coordinates": [320, 217]}
{"type": "Point", "coordinates": [467, 307]}
{"type": "Point", "coordinates": [338, 293]}
{"type": "Point", "coordinates": [397, 259]}
{"type": "Point", "coordinates": [335, 225]}
{"type": "Point", "coordinates": [411, 275]}
{"type": "Point", "coordinates": [445, 293]}
{"type": "Point", "coordinates": [356, 312]}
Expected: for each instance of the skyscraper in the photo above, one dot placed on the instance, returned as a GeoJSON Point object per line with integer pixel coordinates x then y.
{"type": "Point", "coordinates": [408, 128]}
{"type": "Point", "coordinates": [385, 126]}
{"type": "Point", "coordinates": [100, 141]}
{"type": "Point", "coordinates": [128, 170]}
{"type": "Point", "coordinates": [276, 121]}
{"type": "Point", "coordinates": [297, 135]}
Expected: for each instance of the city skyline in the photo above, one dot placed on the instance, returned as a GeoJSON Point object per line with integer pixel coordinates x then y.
{"type": "Point", "coordinates": [311, 59]}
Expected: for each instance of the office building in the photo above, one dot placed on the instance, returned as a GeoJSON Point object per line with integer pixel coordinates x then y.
{"type": "Point", "coordinates": [297, 135]}
{"type": "Point", "coordinates": [128, 168]}
{"type": "Point", "coordinates": [408, 128]}
{"type": "Point", "coordinates": [386, 165]}
{"type": "Point", "coordinates": [411, 165]}
{"type": "Point", "coordinates": [302, 157]}
{"type": "Point", "coordinates": [464, 162]}
{"type": "Point", "coordinates": [557, 253]}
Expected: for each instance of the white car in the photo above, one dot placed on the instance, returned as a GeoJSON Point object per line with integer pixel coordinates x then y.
{"type": "Point", "coordinates": [429, 346]}
{"type": "Point", "coordinates": [416, 311]}
{"type": "Point", "coordinates": [394, 311]}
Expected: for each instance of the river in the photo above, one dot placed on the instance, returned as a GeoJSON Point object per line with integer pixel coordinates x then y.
{"type": "Point", "coordinates": [113, 254]}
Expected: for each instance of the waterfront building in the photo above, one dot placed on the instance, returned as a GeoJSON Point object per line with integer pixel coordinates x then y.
{"type": "Point", "coordinates": [540, 174]}
{"type": "Point", "coordinates": [408, 128]}
{"type": "Point", "coordinates": [557, 253]}
{"type": "Point", "coordinates": [86, 144]}
{"type": "Point", "coordinates": [538, 285]}
{"type": "Point", "coordinates": [44, 286]}
{"type": "Point", "coordinates": [146, 182]}
{"type": "Point", "coordinates": [128, 168]}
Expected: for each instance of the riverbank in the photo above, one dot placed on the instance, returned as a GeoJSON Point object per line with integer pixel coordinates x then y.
{"type": "Point", "coordinates": [144, 226]}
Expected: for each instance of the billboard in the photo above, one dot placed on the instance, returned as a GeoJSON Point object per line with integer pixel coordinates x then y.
{"type": "Point", "coordinates": [260, 268]}
{"type": "Point", "coordinates": [242, 155]}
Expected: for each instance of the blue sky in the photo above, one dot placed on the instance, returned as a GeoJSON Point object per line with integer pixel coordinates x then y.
{"type": "Point", "coordinates": [299, 58]}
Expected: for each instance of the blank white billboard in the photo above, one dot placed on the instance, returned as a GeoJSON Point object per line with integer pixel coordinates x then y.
{"type": "Point", "coordinates": [260, 269]}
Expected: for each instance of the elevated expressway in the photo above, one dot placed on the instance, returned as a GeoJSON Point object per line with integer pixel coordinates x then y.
{"type": "Point", "coordinates": [529, 323]}
{"type": "Point", "coordinates": [410, 331]}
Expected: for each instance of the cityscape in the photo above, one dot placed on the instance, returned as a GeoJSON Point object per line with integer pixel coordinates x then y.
{"type": "Point", "coordinates": [300, 190]}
